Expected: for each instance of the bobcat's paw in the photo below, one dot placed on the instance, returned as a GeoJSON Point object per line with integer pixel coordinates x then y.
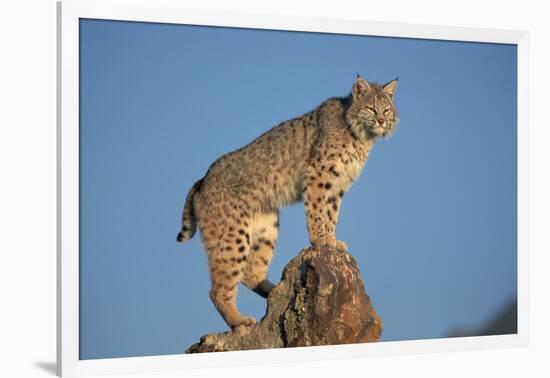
{"type": "Point", "coordinates": [341, 246]}
{"type": "Point", "coordinates": [244, 324]}
{"type": "Point", "coordinates": [331, 243]}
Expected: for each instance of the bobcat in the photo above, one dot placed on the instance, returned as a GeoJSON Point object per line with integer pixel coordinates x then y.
{"type": "Point", "coordinates": [314, 158]}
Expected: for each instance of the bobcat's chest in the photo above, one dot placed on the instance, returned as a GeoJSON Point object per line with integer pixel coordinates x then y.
{"type": "Point", "coordinates": [352, 164]}
{"type": "Point", "coordinates": [352, 169]}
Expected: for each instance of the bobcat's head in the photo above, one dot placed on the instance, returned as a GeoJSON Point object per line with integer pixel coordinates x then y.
{"type": "Point", "coordinates": [372, 112]}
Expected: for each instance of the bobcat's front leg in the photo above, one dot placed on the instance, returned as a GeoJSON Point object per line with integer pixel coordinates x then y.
{"type": "Point", "coordinates": [322, 197]}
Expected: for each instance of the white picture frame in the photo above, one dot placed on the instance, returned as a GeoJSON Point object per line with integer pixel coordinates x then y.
{"type": "Point", "coordinates": [171, 11]}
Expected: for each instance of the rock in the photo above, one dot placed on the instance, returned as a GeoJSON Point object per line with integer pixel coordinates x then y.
{"type": "Point", "coordinates": [321, 300]}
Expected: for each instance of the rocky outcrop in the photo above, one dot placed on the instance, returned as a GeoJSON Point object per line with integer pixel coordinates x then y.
{"type": "Point", "coordinates": [321, 300]}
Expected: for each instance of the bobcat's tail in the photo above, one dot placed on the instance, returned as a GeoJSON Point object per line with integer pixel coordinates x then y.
{"type": "Point", "coordinates": [189, 222]}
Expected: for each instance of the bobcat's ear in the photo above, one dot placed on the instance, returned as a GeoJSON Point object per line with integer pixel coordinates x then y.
{"type": "Point", "coordinates": [360, 87]}
{"type": "Point", "coordinates": [391, 87]}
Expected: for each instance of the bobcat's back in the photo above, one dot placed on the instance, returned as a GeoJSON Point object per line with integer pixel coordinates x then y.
{"type": "Point", "coordinates": [267, 172]}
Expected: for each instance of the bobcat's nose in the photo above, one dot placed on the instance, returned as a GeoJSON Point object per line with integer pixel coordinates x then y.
{"type": "Point", "coordinates": [381, 121]}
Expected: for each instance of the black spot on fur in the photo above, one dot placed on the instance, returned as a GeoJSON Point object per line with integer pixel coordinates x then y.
{"type": "Point", "coordinates": [242, 248]}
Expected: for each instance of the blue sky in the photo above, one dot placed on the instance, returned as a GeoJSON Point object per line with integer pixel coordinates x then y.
{"type": "Point", "coordinates": [431, 221]}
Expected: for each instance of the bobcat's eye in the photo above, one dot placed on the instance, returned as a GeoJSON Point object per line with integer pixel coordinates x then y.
{"type": "Point", "coordinates": [387, 111]}
{"type": "Point", "coordinates": [372, 110]}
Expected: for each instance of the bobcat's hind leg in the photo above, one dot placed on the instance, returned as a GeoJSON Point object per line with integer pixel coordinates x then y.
{"type": "Point", "coordinates": [226, 239]}
{"type": "Point", "coordinates": [264, 231]}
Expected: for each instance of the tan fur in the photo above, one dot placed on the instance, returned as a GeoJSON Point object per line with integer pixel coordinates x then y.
{"type": "Point", "coordinates": [314, 158]}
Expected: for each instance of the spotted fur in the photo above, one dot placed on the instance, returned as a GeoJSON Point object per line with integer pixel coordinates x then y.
{"type": "Point", "coordinates": [313, 158]}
